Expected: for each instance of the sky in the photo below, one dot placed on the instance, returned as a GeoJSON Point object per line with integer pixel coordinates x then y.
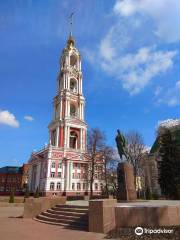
{"type": "Point", "coordinates": [130, 61]}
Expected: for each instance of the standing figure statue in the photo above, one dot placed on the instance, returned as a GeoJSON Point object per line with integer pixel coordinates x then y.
{"type": "Point", "coordinates": [121, 145]}
{"type": "Point", "coordinates": [125, 176]}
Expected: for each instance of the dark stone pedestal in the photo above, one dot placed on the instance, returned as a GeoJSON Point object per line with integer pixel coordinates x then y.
{"type": "Point", "coordinates": [126, 188]}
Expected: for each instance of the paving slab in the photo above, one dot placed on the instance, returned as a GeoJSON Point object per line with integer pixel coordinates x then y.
{"type": "Point", "coordinates": [13, 211]}
{"type": "Point", "coordinates": [28, 229]}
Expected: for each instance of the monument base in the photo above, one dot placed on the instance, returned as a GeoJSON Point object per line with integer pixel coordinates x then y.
{"type": "Point", "coordinates": [126, 188]}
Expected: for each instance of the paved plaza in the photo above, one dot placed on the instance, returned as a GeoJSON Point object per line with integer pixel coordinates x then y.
{"type": "Point", "coordinates": [11, 212]}
{"type": "Point", "coordinates": [28, 229]}
{"type": "Point", "coordinates": [13, 227]}
{"type": "Point", "coordinates": [149, 203]}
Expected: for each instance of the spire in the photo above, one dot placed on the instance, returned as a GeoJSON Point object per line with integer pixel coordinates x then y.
{"type": "Point", "coordinates": [71, 23]}
{"type": "Point", "coordinates": [70, 41]}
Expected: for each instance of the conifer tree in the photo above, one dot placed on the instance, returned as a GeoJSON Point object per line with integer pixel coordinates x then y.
{"type": "Point", "coordinates": [168, 165]}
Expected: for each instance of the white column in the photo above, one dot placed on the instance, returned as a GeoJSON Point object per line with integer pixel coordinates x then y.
{"type": "Point", "coordinates": [79, 111]}
{"type": "Point", "coordinates": [81, 138]}
{"type": "Point", "coordinates": [81, 85]}
{"type": "Point", "coordinates": [67, 60]}
{"type": "Point", "coordinates": [70, 175]}
{"type": "Point", "coordinates": [68, 112]}
{"type": "Point", "coordinates": [68, 82]}
{"type": "Point", "coordinates": [67, 175]}
{"type": "Point", "coordinates": [82, 111]}
{"type": "Point", "coordinates": [64, 81]}
{"type": "Point", "coordinates": [78, 64]}
{"type": "Point", "coordinates": [49, 169]}
{"type": "Point", "coordinates": [77, 85]}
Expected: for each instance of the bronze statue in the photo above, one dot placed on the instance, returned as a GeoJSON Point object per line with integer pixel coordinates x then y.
{"type": "Point", "coordinates": [121, 145]}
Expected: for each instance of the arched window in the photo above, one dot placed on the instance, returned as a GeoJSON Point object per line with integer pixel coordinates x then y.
{"type": "Point", "coordinates": [73, 85]}
{"type": "Point", "coordinates": [96, 186]}
{"type": "Point", "coordinates": [73, 140]}
{"type": "Point", "coordinates": [73, 61]}
{"type": "Point", "coordinates": [58, 186]}
{"type": "Point", "coordinates": [73, 112]}
{"type": "Point", "coordinates": [51, 186]}
{"type": "Point", "coordinates": [53, 164]}
{"type": "Point", "coordinates": [78, 186]}
{"type": "Point", "coordinates": [59, 164]}
{"type": "Point", "coordinates": [53, 137]}
{"type": "Point", "coordinates": [56, 111]}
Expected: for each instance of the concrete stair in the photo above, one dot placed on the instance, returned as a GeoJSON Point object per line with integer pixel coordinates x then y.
{"type": "Point", "coordinates": [68, 216]}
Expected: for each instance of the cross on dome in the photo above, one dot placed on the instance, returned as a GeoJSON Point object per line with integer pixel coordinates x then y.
{"type": "Point", "coordinates": [70, 41]}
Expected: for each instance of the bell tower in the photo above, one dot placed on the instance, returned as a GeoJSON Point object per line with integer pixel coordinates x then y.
{"type": "Point", "coordinates": [68, 129]}
{"type": "Point", "coordinates": [61, 167]}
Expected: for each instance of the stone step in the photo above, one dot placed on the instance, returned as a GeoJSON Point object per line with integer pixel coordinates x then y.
{"type": "Point", "coordinates": [77, 217]}
{"type": "Point", "coordinates": [69, 216]}
{"type": "Point", "coordinates": [75, 227]}
{"type": "Point", "coordinates": [67, 209]}
{"type": "Point", "coordinates": [71, 222]}
{"type": "Point", "coordinates": [71, 206]}
{"type": "Point", "coordinates": [68, 213]}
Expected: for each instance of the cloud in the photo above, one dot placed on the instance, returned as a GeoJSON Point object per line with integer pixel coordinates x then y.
{"type": "Point", "coordinates": [158, 91]}
{"type": "Point", "coordinates": [130, 51]}
{"type": "Point", "coordinates": [7, 118]}
{"type": "Point", "coordinates": [171, 97]}
{"type": "Point", "coordinates": [136, 70]}
{"type": "Point", "coordinates": [164, 14]}
{"type": "Point", "coordinates": [29, 118]}
{"type": "Point", "coordinates": [89, 55]}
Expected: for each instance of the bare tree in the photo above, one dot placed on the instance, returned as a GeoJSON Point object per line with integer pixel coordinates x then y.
{"type": "Point", "coordinates": [95, 145]}
{"type": "Point", "coordinates": [107, 155]}
{"type": "Point", "coordinates": [135, 151]}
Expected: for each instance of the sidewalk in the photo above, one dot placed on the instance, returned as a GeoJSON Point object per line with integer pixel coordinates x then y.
{"type": "Point", "coordinates": [28, 229]}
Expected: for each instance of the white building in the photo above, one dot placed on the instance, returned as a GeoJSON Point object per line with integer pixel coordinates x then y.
{"type": "Point", "coordinates": [61, 167]}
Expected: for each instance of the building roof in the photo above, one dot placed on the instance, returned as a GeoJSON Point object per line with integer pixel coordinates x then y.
{"type": "Point", "coordinates": [11, 170]}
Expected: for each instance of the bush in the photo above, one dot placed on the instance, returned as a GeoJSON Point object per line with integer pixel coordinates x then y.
{"type": "Point", "coordinates": [155, 196]}
{"type": "Point", "coordinates": [11, 198]}
{"type": "Point", "coordinates": [177, 194]}
{"type": "Point", "coordinates": [104, 193]}
{"type": "Point", "coordinates": [149, 195]}
{"type": "Point", "coordinates": [27, 194]}
{"type": "Point", "coordinates": [36, 195]}
{"type": "Point", "coordinates": [74, 198]}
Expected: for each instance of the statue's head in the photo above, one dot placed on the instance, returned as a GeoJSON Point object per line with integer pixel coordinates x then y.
{"type": "Point", "coordinates": [118, 131]}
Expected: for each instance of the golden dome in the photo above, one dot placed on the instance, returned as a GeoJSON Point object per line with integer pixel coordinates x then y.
{"type": "Point", "coordinates": [70, 41]}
